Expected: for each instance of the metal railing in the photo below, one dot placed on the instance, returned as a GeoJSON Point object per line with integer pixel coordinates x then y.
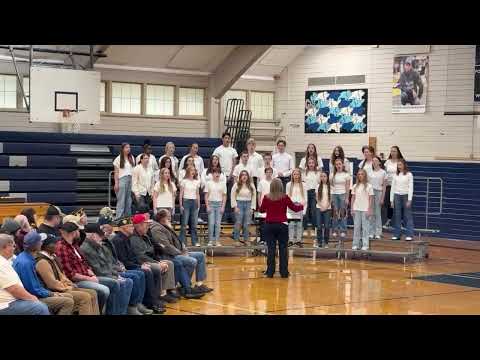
{"type": "Point", "coordinates": [427, 197]}
{"type": "Point", "coordinates": [110, 189]}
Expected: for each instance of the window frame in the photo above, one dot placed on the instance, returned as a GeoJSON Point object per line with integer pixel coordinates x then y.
{"type": "Point", "coordinates": [111, 98]}
{"type": "Point", "coordinates": [175, 100]}
{"type": "Point", "coordinates": [18, 94]}
{"type": "Point", "coordinates": [250, 104]}
{"type": "Point", "coordinates": [205, 107]}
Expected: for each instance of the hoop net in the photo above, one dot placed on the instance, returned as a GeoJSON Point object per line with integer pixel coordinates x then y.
{"type": "Point", "coordinates": [71, 125]}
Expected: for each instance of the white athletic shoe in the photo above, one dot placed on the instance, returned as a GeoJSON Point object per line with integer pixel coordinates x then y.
{"type": "Point", "coordinates": [343, 234]}
{"type": "Point", "coordinates": [197, 245]}
{"type": "Point", "coordinates": [370, 237]}
{"type": "Point", "coordinates": [378, 237]}
{"type": "Point", "coordinates": [325, 246]}
{"type": "Point", "coordinates": [315, 245]}
{"type": "Point", "coordinates": [395, 238]}
{"type": "Point", "coordinates": [334, 234]}
{"type": "Point", "coordinates": [218, 244]}
{"type": "Point", "coordinates": [364, 248]}
{"type": "Point", "coordinates": [210, 244]}
{"type": "Point", "coordinates": [354, 247]}
{"type": "Point", "coordinates": [408, 238]}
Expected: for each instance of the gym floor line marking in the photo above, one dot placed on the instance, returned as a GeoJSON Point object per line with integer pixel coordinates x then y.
{"type": "Point", "coordinates": [231, 307]}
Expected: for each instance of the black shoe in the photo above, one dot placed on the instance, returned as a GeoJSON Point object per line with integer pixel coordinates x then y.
{"type": "Point", "coordinates": [269, 275]}
{"type": "Point", "coordinates": [285, 275]}
{"type": "Point", "coordinates": [290, 244]}
{"type": "Point", "coordinates": [174, 293]}
{"type": "Point", "coordinates": [202, 289]}
{"type": "Point", "coordinates": [192, 295]}
{"type": "Point", "coordinates": [168, 298]}
{"type": "Point", "coordinates": [157, 309]}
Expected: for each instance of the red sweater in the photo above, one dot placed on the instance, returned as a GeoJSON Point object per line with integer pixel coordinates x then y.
{"type": "Point", "coordinates": [277, 210]}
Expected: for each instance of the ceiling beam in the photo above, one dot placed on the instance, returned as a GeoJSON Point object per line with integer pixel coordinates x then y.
{"type": "Point", "coordinates": [233, 67]}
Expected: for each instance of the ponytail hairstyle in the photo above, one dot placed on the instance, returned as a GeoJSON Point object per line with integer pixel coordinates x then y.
{"type": "Point", "coordinates": [248, 183]}
{"type": "Point", "coordinates": [122, 156]}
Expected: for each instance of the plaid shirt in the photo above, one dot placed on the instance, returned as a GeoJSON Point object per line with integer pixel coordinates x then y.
{"type": "Point", "coordinates": [71, 263]}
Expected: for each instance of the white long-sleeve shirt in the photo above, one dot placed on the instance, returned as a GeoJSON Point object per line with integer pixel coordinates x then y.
{"type": "Point", "coordinates": [402, 184]}
{"type": "Point", "coordinates": [391, 169]}
{"type": "Point", "coordinates": [283, 163]}
{"type": "Point", "coordinates": [244, 195]}
{"type": "Point", "coordinates": [255, 162]}
{"type": "Point", "coordinates": [152, 162]}
{"type": "Point", "coordinates": [142, 180]}
{"type": "Point", "coordinates": [240, 167]}
{"type": "Point", "coordinates": [174, 161]}
{"type": "Point", "coordinates": [198, 163]}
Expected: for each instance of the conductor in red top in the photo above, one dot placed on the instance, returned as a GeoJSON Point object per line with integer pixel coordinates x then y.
{"type": "Point", "coordinates": [276, 227]}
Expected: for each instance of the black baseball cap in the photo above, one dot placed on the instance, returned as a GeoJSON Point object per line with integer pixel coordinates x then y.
{"type": "Point", "coordinates": [69, 227]}
{"type": "Point", "coordinates": [94, 228]}
{"type": "Point", "coordinates": [53, 211]}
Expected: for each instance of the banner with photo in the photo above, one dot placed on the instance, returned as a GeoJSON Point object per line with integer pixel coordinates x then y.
{"type": "Point", "coordinates": [410, 83]}
{"type": "Point", "coordinates": [336, 111]}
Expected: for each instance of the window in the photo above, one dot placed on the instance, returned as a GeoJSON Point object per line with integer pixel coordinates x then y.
{"type": "Point", "coordinates": [261, 104]}
{"type": "Point", "coordinates": [191, 101]}
{"type": "Point", "coordinates": [102, 96]}
{"type": "Point", "coordinates": [26, 88]}
{"type": "Point", "coordinates": [126, 98]}
{"type": "Point", "coordinates": [235, 94]}
{"type": "Point", "coordinates": [8, 91]}
{"type": "Point", "coordinates": [160, 100]}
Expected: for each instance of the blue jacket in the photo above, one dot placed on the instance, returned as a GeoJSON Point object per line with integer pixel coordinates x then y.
{"type": "Point", "coordinates": [24, 265]}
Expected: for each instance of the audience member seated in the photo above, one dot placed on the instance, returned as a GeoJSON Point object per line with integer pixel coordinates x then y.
{"type": "Point", "coordinates": [153, 278]}
{"type": "Point", "coordinates": [81, 222]}
{"type": "Point", "coordinates": [14, 299]}
{"type": "Point", "coordinates": [103, 263]}
{"type": "Point", "coordinates": [25, 228]}
{"type": "Point", "coordinates": [52, 221]}
{"type": "Point", "coordinates": [31, 215]}
{"type": "Point", "coordinates": [105, 220]}
{"type": "Point", "coordinates": [12, 227]}
{"type": "Point", "coordinates": [163, 232]}
{"type": "Point", "coordinates": [75, 266]}
{"type": "Point", "coordinates": [144, 252]}
{"type": "Point", "coordinates": [55, 280]}
{"type": "Point", "coordinates": [58, 303]}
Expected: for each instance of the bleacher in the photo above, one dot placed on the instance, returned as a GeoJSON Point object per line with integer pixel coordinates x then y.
{"type": "Point", "coordinates": [72, 170]}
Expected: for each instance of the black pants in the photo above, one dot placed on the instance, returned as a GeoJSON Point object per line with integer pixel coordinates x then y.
{"type": "Point", "coordinates": [274, 233]}
{"type": "Point", "coordinates": [228, 213]}
{"type": "Point", "coordinates": [153, 285]}
{"type": "Point", "coordinates": [387, 211]}
{"type": "Point", "coordinates": [310, 217]}
{"type": "Point", "coordinates": [285, 181]}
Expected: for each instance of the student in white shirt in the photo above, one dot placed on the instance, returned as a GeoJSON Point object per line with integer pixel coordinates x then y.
{"type": "Point", "coordinates": [123, 168]}
{"type": "Point", "coordinates": [14, 299]}
{"type": "Point", "coordinates": [215, 200]}
{"type": "Point", "coordinates": [267, 163]}
{"type": "Point", "coordinates": [298, 194]}
{"type": "Point", "coordinates": [391, 169]}
{"type": "Point", "coordinates": [311, 152]}
{"type": "Point", "coordinates": [197, 159]}
{"type": "Point", "coordinates": [243, 165]}
{"type": "Point", "coordinates": [166, 162]}
{"type": "Point", "coordinates": [401, 197]}
{"type": "Point", "coordinates": [189, 161]}
{"type": "Point", "coordinates": [152, 161]}
{"type": "Point", "coordinates": [340, 181]}
{"type": "Point", "coordinates": [311, 176]}
{"type": "Point", "coordinates": [142, 182]}
{"type": "Point", "coordinates": [164, 192]}
{"type": "Point", "coordinates": [244, 200]}
{"type": "Point", "coordinates": [362, 204]}
{"type": "Point", "coordinates": [189, 200]}
{"type": "Point", "coordinates": [323, 211]}
{"type": "Point", "coordinates": [228, 159]}
{"type": "Point", "coordinates": [207, 174]}
{"type": "Point", "coordinates": [338, 153]}
{"type": "Point", "coordinates": [170, 153]}
{"type": "Point", "coordinates": [264, 185]}
{"type": "Point", "coordinates": [283, 162]}
{"type": "Point", "coordinates": [255, 160]}
{"type": "Point", "coordinates": [366, 163]}
{"type": "Point", "coordinates": [378, 180]}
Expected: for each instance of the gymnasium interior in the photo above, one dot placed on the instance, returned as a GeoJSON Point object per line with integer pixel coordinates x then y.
{"type": "Point", "coordinates": [194, 93]}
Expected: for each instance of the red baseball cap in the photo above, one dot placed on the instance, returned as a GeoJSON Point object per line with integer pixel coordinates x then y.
{"type": "Point", "coordinates": [139, 218]}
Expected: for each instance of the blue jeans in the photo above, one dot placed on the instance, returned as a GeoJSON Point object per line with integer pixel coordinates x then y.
{"type": "Point", "coordinates": [361, 225]}
{"type": "Point", "coordinates": [103, 292]}
{"type": "Point", "coordinates": [376, 219]}
{"type": "Point", "coordinates": [25, 307]}
{"type": "Point", "coordinates": [190, 217]}
{"type": "Point", "coordinates": [340, 212]}
{"type": "Point", "coordinates": [323, 226]}
{"type": "Point", "coordinates": [295, 231]}
{"type": "Point", "coordinates": [242, 220]}
{"type": "Point", "coordinates": [124, 197]}
{"type": "Point", "coordinates": [182, 274]}
{"type": "Point", "coordinates": [400, 203]}
{"type": "Point", "coordinates": [194, 261]}
{"type": "Point", "coordinates": [214, 221]}
{"type": "Point", "coordinates": [120, 291]}
{"type": "Point", "coordinates": [311, 214]}
{"type": "Point", "coordinates": [138, 290]}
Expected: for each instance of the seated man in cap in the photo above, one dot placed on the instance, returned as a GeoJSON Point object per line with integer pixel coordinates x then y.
{"type": "Point", "coordinates": [105, 220]}
{"type": "Point", "coordinates": [144, 252]}
{"type": "Point", "coordinates": [13, 227]}
{"type": "Point", "coordinates": [54, 279]}
{"type": "Point", "coordinates": [52, 221]}
{"type": "Point", "coordinates": [58, 303]}
{"type": "Point", "coordinates": [165, 237]}
{"type": "Point", "coordinates": [123, 252]}
{"type": "Point", "coordinates": [82, 221]}
{"type": "Point", "coordinates": [101, 260]}
{"type": "Point", "coordinates": [76, 267]}
{"type": "Point", "coordinates": [14, 299]}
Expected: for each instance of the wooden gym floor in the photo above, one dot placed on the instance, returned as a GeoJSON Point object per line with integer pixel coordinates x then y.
{"type": "Point", "coordinates": [331, 286]}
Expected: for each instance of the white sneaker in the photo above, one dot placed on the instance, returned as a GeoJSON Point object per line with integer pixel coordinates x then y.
{"type": "Point", "coordinates": [210, 244]}
{"type": "Point", "coordinates": [408, 238]}
{"type": "Point", "coordinates": [315, 245]}
{"type": "Point", "coordinates": [370, 236]}
{"type": "Point", "coordinates": [218, 244]}
{"type": "Point", "coordinates": [325, 246]}
{"type": "Point", "coordinates": [378, 237]}
{"type": "Point", "coordinates": [343, 234]}
{"type": "Point", "coordinates": [334, 234]}
{"type": "Point", "coordinates": [364, 248]}
{"type": "Point", "coordinates": [354, 247]}
{"type": "Point", "coordinates": [197, 245]}
{"type": "Point", "coordinates": [395, 238]}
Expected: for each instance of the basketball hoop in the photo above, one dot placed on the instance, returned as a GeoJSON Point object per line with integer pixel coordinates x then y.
{"type": "Point", "coordinates": [66, 114]}
{"type": "Point", "coordinates": [69, 120]}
